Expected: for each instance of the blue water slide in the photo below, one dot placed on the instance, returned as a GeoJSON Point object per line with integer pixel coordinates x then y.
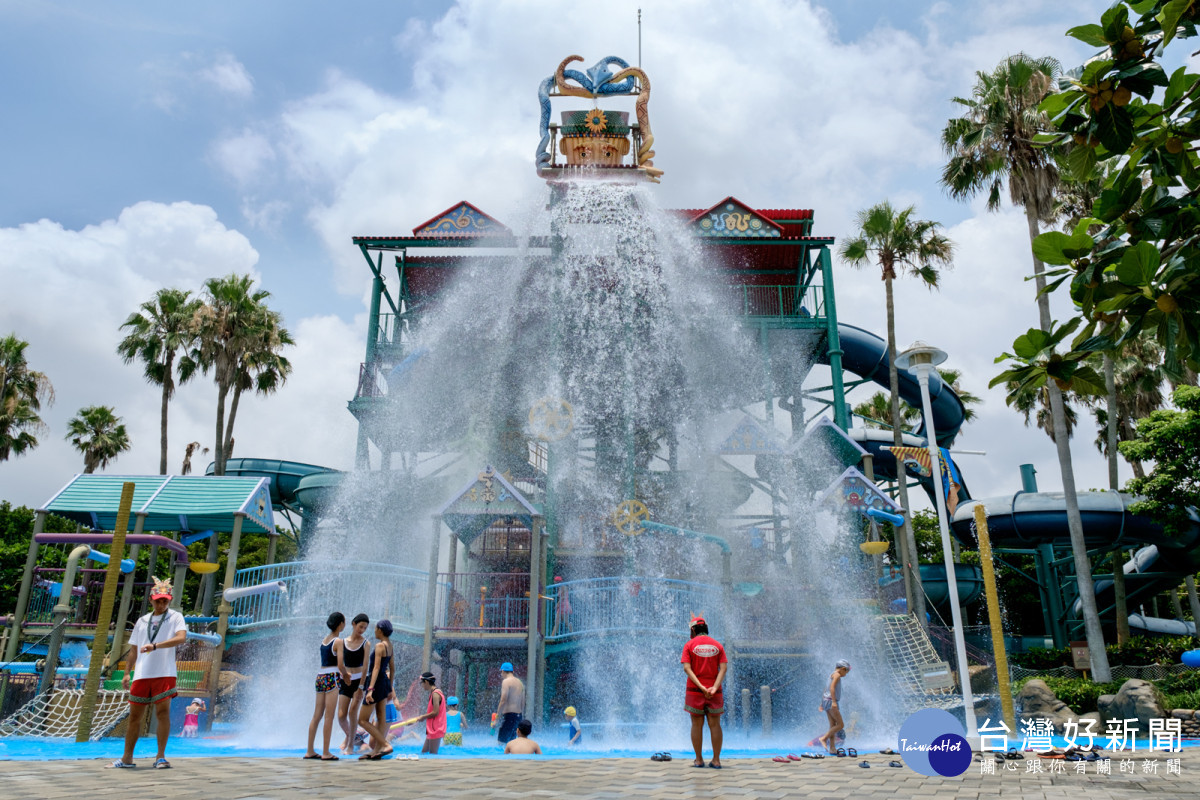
{"type": "Point", "coordinates": [1028, 519]}
{"type": "Point", "coordinates": [865, 354]}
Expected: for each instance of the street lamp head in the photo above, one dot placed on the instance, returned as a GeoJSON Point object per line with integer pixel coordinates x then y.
{"type": "Point", "coordinates": [919, 353]}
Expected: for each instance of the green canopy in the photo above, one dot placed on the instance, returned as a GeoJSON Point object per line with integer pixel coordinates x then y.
{"type": "Point", "coordinates": [168, 502]}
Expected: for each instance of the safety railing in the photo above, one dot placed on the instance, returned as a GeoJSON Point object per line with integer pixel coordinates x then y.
{"type": "Point", "coordinates": [315, 589]}
{"type": "Point", "coordinates": [778, 301]}
{"type": "Point", "coordinates": [369, 383]}
{"type": "Point", "coordinates": [85, 598]}
{"type": "Point", "coordinates": [484, 602]}
{"type": "Point", "coordinates": [629, 604]}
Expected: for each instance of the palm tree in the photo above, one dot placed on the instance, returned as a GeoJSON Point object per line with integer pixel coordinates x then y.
{"type": "Point", "coordinates": [1034, 405]}
{"type": "Point", "coordinates": [159, 330]}
{"type": "Point", "coordinates": [97, 432]}
{"type": "Point", "coordinates": [264, 369]}
{"type": "Point", "coordinates": [900, 245]}
{"type": "Point", "coordinates": [994, 142]}
{"type": "Point", "coordinates": [22, 392]}
{"type": "Point", "coordinates": [877, 408]}
{"type": "Point", "coordinates": [192, 448]}
{"type": "Point", "coordinates": [238, 336]}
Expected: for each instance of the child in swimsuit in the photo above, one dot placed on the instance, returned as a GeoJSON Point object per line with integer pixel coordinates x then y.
{"type": "Point", "coordinates": [191, 720]}
{"type": "Point", "coordinates": [456, 723]}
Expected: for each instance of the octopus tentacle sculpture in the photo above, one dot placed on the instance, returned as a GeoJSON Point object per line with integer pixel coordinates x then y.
{"type": "Point", "coordinates": [645, 155]}
{"type": "Point", "coordinates": [599, 80]}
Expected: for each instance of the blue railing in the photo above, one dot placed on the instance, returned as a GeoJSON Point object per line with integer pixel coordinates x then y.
{"type": "Point", "coordinates": [629, 604]}
{"type": "Point", "coordinates": [575, 608]}
{"type": "Point", "coordinates": [395, 592]}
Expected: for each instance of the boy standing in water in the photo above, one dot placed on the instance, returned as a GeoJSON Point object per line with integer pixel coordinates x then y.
{"type": "Point", "coordinates": [512, 703]}
{"type": "Point", "coordinates": [573, 723]}
{"type": "Point", "coordinates": [704, 663]}
{"type": "Point", "coordinates": [152, 654]}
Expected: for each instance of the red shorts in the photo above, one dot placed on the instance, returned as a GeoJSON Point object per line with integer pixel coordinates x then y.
{"type": "Point", "coordinates": [145, 691]}
{"type": "Point", "coordinates": [696, 703]}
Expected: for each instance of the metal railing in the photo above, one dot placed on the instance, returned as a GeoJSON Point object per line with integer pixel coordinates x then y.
{"type": "Point", "coordinates": [384, 590]}
{"type": "Point", "coordinates": [778, 301]}
{"type": "Point", "coordinates": [85, 599]}
{"type": "Point", "coordinates": [485, 602]}
{"type": "Point", "coordinates": [369, 383]}
{"type": "Point", "coordinates": [629, 604]}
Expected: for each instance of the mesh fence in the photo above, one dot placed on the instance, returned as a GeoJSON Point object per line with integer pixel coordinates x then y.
{"type": "Point", "coordinates": [56, 714]}
{"type": "Point", "coordinates": [1148, 672]}
{"type": "Point", "coordinates": [910, 654]}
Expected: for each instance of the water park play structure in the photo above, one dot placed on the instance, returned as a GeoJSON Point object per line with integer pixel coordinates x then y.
{"type": "Point", "coordinates": [569, 443]}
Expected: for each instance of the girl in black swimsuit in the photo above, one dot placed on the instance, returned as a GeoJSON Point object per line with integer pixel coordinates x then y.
{"type": "Point", "coordinates": [377, 688]}
{"type": "Point", "coordinates": [350, 667]}
{"type": "Point", "coordinates": [326, 688]}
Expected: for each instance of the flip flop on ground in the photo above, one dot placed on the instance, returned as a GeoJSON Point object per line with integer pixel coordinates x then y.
{"type": "Point", "coordinates": [699, 766]}
{"type": "Point", "coordinates": [793, 757]}
{"type": "Point", "coordinates": [661, 757]}
{"type": "Point", "coordinates": [864, 764]}
{"type": "Point", "coordinates": [782, 760]}
{"type": "Point", "coordinates": [119, 764]}
{"type": "Point", "coordinates": [887, 751]}
{"type": "Point", "coordinates": [895, 764]}
{"type": "Point", "coordinates": [311, 757]}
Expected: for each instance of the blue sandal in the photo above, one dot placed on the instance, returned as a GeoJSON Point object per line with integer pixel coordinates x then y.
{"type": "Point", "coordinates": [162, 763]}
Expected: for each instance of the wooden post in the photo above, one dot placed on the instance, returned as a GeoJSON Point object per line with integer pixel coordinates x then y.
{"type": "Point", "coordinates": [993, 605]}
{"type": "Point", "coordinates": [272, 543]}
{"type": "Point", "coordinates": [208, 582]}
{"type": "Point", "coordinates": [431, 595]}
{"type": "Point", "coordinates": [214, 672]}
{"type": "Point", "coordinates": [114, 654]}
{"type": "Point", "coordinates": [532, 703]}
{"type": "Point", "coordinates": [112, 576]}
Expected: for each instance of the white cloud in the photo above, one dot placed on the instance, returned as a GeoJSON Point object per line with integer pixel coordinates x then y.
{"type": "Point", "coordinates": [67, 293]}
{"type": "Point", "coordinates": [244, 156]}
{"type": "Point", "coordinates": [229, 75]}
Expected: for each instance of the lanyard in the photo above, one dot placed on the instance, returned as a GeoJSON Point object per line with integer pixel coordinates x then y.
{"type": "Point", "coordinates": [152, 633]}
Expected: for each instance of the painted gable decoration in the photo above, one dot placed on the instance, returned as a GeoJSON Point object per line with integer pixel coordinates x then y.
{"type": "Point", "coordinates": [750, 438]}
{"type": "Point", "coordinates": [733, 219]}
{"type": "Point", "coordinates": [463, 219]}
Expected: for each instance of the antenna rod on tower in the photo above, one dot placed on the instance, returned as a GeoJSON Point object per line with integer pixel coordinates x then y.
{"type": "Point", "coordinates": [639, 38]}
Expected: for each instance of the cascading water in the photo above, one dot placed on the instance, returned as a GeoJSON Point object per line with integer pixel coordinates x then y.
{"type": "Point", "coordinates": [619, 316]}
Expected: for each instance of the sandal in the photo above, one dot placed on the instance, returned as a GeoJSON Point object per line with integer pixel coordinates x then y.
{"type": "Point", "coordinates": [864, 764]}
{"type": "Point", "coordinates": [895, 764]}
{"type": "Point", "coordinates": [793, 757]}
{"type": "Point", "coordinates": [840, 752]}
{"type": "Point", "coordinates": [887, 751]}
{"type": "Point", "coordinates": [782, 760]}
{"type": "Point", "coordinates": [661, 757]}
{"type": "Point", "coordinates": [852, 752]}
{"type": "Point", "coordinates": [162, 763]}
{"type": "Point", "coordinates": [119, 764]}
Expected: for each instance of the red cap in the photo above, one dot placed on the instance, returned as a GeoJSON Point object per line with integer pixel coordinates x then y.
{"type": "Point", "coordinates": [698, 621]}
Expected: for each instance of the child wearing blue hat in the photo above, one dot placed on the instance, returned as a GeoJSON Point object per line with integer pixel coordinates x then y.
{"type": "Point", "coordinates": [456, 723]}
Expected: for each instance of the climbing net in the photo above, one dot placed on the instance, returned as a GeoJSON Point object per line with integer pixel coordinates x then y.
{"type": "Point", "coordinates": [910, 654]}
{"type": "Point", "coordinates": [55, 713]}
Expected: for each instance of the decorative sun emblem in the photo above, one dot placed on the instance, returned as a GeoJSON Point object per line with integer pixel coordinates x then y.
{"type": "Point", "coordinates": [596, 121]}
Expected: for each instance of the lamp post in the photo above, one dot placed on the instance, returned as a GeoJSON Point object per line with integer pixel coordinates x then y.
{"type": "Point", "coordinates": [921, 359]}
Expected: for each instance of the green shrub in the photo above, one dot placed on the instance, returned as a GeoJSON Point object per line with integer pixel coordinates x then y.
{"type": "Point", "coordinates": [1182, 683]}
{"type": "Point", "coordinates": [1042, 658]}
{"type": "Point", "coordinates": [1175, 700]}
{"type": "Point", "coordinates": [1081, 694]}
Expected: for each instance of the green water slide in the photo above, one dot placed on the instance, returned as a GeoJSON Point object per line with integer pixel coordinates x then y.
{"type": "Point", "coordinates": [296, 488]}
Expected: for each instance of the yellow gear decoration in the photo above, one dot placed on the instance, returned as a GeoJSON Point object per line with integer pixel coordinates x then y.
{"type": "Point", "coordinates": [629, 515]}
{"type": "Point", "coordinates": [551, 419]}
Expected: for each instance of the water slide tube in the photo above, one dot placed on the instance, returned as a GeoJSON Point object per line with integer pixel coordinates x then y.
{"type": "Point", "coordinates": [865, 354]}
{"type": "Point", "coordinates": [1026, 520]}
{"type": "Point", "coordinates": [286, 477]}
{"type": "Point", "coordinates": [250, 591]}
{"type": "Point", "coordinates": [102, 558]}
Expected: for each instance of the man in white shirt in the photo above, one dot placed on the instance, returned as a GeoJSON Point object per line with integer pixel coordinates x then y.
{"type": "Point", "coordinates": [152, 653]}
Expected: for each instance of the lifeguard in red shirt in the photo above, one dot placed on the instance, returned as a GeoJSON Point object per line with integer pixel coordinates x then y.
{"type": "Point", "coordinates": [705, 664]}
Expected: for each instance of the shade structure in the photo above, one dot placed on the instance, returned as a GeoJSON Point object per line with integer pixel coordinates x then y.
{"type": "Point", "coordinates": [168, 502]}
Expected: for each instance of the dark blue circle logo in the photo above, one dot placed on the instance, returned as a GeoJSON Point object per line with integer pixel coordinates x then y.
{"type": "Point", "coordinates": [932, 742]}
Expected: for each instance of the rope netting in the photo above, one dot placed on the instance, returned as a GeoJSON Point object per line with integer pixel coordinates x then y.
{"type": "Point", "coordinates": [55, 713]}
{"type": "Point", "coordinates": [911, 654]}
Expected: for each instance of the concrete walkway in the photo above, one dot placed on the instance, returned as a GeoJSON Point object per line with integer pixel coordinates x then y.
{"type": "Point", "coordinates": [521, 779]}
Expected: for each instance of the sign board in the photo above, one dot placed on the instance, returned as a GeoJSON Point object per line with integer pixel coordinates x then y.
{"type": "Point", "coordinates": [1079, 655]}
{"type": "Point", "coordinates": [936, 676]}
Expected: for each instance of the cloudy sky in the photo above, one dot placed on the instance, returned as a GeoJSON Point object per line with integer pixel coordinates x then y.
{"type": "Point", "coordinates": [157, 145]}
